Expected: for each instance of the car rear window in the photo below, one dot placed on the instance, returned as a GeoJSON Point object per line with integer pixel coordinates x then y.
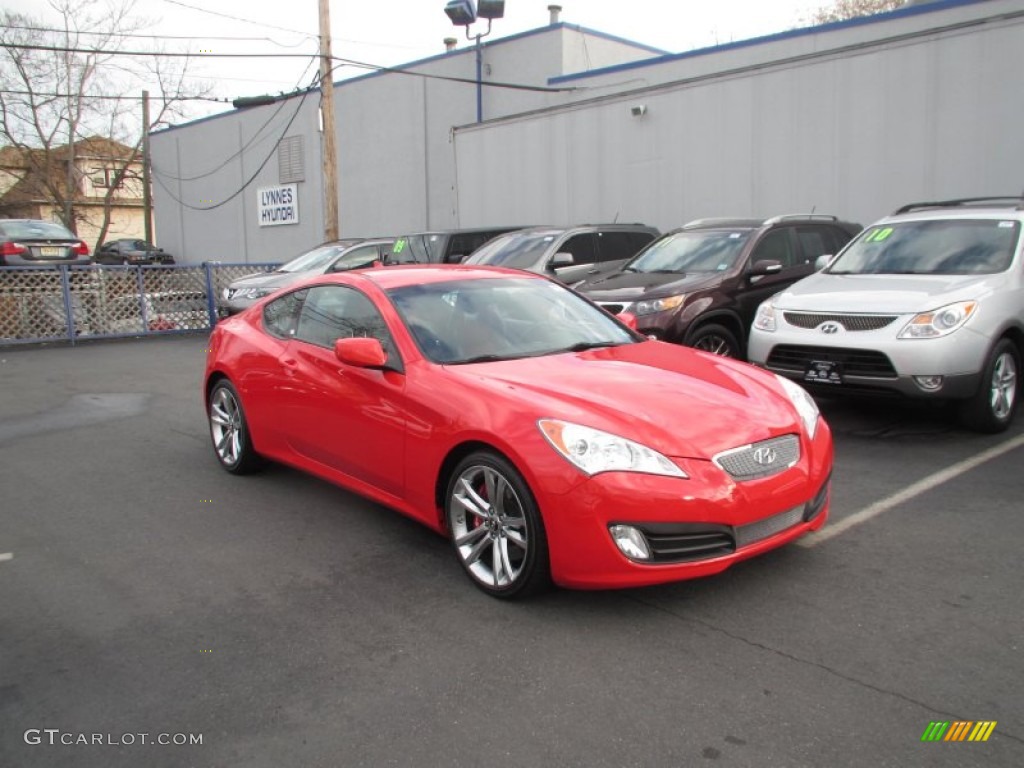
{"type": "Point", "coordinates": [36, 230]}
{"type": "Point", "coordinates": [932, 247]}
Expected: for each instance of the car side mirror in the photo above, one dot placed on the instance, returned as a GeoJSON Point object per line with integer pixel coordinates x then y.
{"type": "Point", "coordinates": [765, 267]}
{"type": "Point", "coordinates": [561, 259]}
{"type": "Point", "coordinates": [823, 261]}
{"type": "Point", "coordinates": [628, 319]}
{"type": "Point", "coordinates": [361, 353]}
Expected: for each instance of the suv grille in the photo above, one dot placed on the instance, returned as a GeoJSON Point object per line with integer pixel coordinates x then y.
{"type": "Point", "coordinates": [768, 457]}
{"type": "Point", "coordinates": [856, 362]}
{"type": "Point", "coordinates": [849, 322]}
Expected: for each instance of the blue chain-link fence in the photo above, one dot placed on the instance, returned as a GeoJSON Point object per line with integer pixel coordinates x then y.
{"type": "Point", "coordinates": [66, 303]}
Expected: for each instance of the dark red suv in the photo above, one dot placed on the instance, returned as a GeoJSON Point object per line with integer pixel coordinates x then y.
{"type": "Point", "coordinates": [700, 285]}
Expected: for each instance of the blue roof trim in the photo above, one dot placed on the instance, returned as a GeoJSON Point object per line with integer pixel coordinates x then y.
{"type": "Point", "coordinates": [909, 10]}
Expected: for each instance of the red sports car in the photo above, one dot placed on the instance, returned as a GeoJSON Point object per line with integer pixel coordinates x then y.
{"type": "Point", "coordinates": [546, 438]}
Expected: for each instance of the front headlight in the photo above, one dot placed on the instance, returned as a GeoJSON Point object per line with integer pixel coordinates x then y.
{"type": "Point", "coordinates": [764, 320]}
{"type": "Point", "coordinates": [651, 306]}
{"type": "Point", "coordinates": [594, 451]}
{"type": "Point", "coordinates": [805, 406]}
{"type": "Point", "coordinates": [931, 325]}
{"type": "Point", "coordinates": [251, 293]}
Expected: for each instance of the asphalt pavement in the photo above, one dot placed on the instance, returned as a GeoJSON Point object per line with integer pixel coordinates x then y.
{"type": "Point", "coordinates": [147, 596]}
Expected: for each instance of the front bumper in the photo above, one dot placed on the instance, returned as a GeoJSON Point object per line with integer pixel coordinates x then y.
{"type": "Point", "coordinates": [695, 527]}
{"type": "Point", "coordinates": [876, 361]}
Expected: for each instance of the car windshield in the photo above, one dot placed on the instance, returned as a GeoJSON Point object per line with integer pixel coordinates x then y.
{"type": "Point", "coordinates": [518, 250]}
{"type": "Point", "coordinates": [36, 230]}
{"type": "Point", "coordinates": [936, 247]}
{"type": "Point", "coordinates": [705, 251]}
{"type": "Point", "coordinates": [465, 321]}
{"type": "Point", "coordinates": [318, 257]}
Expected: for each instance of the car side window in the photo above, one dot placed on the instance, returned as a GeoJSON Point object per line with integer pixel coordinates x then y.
{"type": "Point", "coordinates": [582, 247]}
{"type": "Point", "coordinates": [333, 312]}
{"type": "Point", "coordinates": [775, 246]}
{"type": "Point", "coordinates": [281, 316]}
{"type": "Point", "coordinates": [618, 246]}
{"type": "Point", "coordinates": [815, 242]}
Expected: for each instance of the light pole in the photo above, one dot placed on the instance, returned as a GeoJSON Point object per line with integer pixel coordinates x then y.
{"type": "Point", "coordinates": [464, 13]}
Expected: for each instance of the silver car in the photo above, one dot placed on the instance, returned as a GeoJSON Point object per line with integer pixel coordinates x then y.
{"type": "Point", "coordinates": [927, 303]}
{"type": "Point", "coordinates": [338, 256]}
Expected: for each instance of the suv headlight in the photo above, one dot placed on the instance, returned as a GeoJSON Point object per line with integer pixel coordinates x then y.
{"type": "Point", "coordinates": [803, 402]}
{"type": "Point", "coordinates": [931, 325]}
{"type": "Point", "coordinates": [764, 320]}
{"type": "Point", "coordinates": [651, 306]}
{"type": "Point", "coordinates": [594, 451]}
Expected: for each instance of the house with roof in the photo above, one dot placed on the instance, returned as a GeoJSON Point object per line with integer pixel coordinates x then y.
{"type": "Point", "coordinates": [107, 183]}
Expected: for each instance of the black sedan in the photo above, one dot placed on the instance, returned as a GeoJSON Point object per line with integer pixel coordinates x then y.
{"type": "Point", "coordinates": [130, 251]}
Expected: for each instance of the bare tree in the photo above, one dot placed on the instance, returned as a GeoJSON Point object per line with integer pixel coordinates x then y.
{"type": "Point", "coordinates": [838, 10]}
{"type": "Point", "coordinates": [64, 85]}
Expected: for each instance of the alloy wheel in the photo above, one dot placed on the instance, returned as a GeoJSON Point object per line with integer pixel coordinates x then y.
{"type": "Point", "coordinates": [226, 426]}
{"type": "Point", "coordinates": [1003, 389]}
{"type": "Point", "coordinates": [489, 526]}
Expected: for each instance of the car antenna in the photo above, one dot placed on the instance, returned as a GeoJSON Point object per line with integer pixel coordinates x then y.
{"type": "Point", "coordinates": [616, 219]}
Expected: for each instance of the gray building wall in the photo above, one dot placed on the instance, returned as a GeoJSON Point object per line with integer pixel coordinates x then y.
{"type": "Point", "coordinates": [395, 160]}
{"type": "Point", "coordinates": [853, 119]}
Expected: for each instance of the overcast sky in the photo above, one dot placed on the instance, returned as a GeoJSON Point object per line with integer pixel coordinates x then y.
{"type": "Point", "coordinates": [390, 32]}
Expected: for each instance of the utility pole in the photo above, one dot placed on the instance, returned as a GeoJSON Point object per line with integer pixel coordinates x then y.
{"type": "Point", "coordinates": [328, 147]}
{"type": "Point", "coordinates": [147, 199]}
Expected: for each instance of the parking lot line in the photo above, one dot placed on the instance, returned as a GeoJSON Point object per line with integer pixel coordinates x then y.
{"type": "Point", "coordinates": [6, 556]}
{"type": "Point", "coordinates": [921, 486]}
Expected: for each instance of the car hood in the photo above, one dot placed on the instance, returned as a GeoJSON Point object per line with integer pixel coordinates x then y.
{"type": "Point", "coordinates": [632, 286]}
{"type": "Point", "coordinates": [269, 280]}
{"type": "Point", "coordinates": [879, 294]}
{"type": "Point", "coordinates": [680, 402]}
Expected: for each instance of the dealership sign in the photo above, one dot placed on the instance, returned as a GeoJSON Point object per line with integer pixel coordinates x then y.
{"type": "Point", "coordinates": [277, 205]}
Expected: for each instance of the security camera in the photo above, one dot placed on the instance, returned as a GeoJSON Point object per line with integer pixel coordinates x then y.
{"type": "Point", "coordinates": [638, 110]}
{"type": "Point", "coordinates": [461, 12]}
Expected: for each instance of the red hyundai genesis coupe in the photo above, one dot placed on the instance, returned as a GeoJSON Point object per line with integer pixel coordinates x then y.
{"type": "Point", "coordinates": [544, 437]}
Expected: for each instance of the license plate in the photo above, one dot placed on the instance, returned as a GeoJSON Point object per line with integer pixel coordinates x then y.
{"type": "Point", "coordinates": [824, 372]}
{"type": "Point", "coordinates": [50, 251]}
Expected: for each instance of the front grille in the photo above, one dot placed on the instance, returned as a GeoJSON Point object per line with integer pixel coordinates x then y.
{"type": "Point", "coordinates": [767, 457]}
{"type": "Point", "coordinates": [614, 308]}
{"type": "Point", "coordinates": [849, 322]}
{"type": "Point", "coordinates": [855, 362]}
{"type": "Point", "coordinates": [685, 542]}
{"type": "Point", "coordinates": [763, 529]}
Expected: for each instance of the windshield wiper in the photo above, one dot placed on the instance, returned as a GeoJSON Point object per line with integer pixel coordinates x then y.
{"type": "Point", "coordinates": [490, 358]}
{"type": "Point", "coordinates": [582, 346]}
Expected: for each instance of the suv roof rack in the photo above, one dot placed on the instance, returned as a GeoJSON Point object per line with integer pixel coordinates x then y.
{"type": "Point", "coordinates": [802, 216]}
{"type": "Point", "coordinates": [1008, 201]}
{"type": "Point", "coordinates": [722, 221]}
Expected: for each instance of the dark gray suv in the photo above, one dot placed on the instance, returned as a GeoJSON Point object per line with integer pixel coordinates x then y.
{"type": "Point", "coordinates": [569, 254]}
{"type": "Point", "coordinates": [700, 285]}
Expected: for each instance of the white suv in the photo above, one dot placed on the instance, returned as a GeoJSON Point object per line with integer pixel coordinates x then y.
{"type": "Point", "coordinates": [927, 303]}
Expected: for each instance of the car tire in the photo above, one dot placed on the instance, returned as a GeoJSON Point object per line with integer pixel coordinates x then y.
{"type": "Point", "coordinates": [501, 545]}
{"type": "Point", "coordinates": [229, 431]}
{"type": "Point", "coordinates": [716, 339]}
{"type": "Point", "coordinates": [994, 404]}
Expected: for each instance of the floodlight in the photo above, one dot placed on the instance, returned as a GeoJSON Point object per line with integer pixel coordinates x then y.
{"type": "Point", "coordinates": [490, 9]}
{"type": "Point", "coordinates": [461, 12]}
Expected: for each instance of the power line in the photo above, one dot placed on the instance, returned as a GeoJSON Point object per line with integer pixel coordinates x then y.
{"type": "Point", "coordinates": [237, 18]}
{"type": "Point", "coordinates": [108, 97]}
{"type": "Point", "coordinates": [256, 173]}
{"type": "Point", "coordinates": [234, 38]}
{"type": "Point", "coordinates": [350, 62]}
